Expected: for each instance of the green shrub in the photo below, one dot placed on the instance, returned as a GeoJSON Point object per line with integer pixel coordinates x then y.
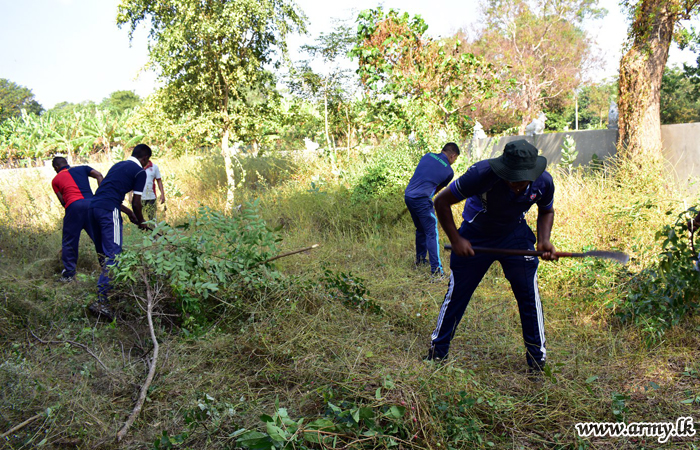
{"type": "Point", "coordinates": [389, 172]}
{"type": "Point", "coordinates": [209, 253]}
{"type": "Point", "coordinates": [662, 295]}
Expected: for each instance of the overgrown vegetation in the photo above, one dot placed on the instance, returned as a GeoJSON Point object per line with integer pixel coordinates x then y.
{"type": "Point", "coordinates": [323, 349]}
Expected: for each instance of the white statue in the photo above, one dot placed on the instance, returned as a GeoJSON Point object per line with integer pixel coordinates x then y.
{"type": "Point", "coordinates": [478, 131]}
{"type": "Point", "coordinates": [613, 115]}
{"type": "Point", "coordinates": [536, 126]}
{"type": "Point", "coordinates": [310, 145]}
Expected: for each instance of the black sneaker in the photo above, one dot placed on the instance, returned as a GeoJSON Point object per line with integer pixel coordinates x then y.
{"type": "Point", "coordinates": [438, 276]}
{"type": "Point", "coordinates": [536, 372]}
{"type": "Point", "coordinates": [101, 310]}
{"type": "Point", "coordinates": [64, 278]}
{"type": "Point", "coordinates": [431, 356]}
{"type": "Point", "coordinates": [420, 264]}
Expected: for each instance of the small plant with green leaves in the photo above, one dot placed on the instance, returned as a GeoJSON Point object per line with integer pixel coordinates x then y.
{"type": "Point", "coordinates": [350, 289]}
{"type": "Point", "coordinates": [345, 426]}
{"type": "Point", "coordinates": [662, 295]}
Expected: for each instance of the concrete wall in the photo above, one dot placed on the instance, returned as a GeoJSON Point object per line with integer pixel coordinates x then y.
{"type": "Point", "coordinates": [681, 148]}
{"type": "Point", "coordinates": [588, 143]}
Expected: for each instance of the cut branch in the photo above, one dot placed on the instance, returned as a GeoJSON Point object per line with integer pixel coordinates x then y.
{"type": "Point", "coordinates": [75, 344]}
{"type": "Point", "coordinates": [289, 254]}
{"type": "Point", "coordinates": [20, 426]}
{"type": "Point", "coordinates": [150, 300]}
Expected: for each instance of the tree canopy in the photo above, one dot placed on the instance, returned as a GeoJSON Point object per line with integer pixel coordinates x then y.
{"type": "Point", "coordinates": [14, 98]}
{"type": "Point", "coordinates": [545, 47]}
{"type": "Point", "coordinates": [214, 55]}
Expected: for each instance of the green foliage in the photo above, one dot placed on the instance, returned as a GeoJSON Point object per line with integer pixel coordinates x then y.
{"type": "Point", "coordinates": [363, 426]}
{"type": "Point", "coordinates": [662, 295]}
{"type": "Point", "coordinates": [212, 55]}
{"type": "Point", "coordinates": [14, 99]}
{"type": "Point", "coordinates": [208, 413]}
{"type": "Point", "coordinates": [444, 80]}
{"type": "Point", "coordinates": [211, 252]}
{"type": "Point", "coordinates": [76, 130]}
{"type": "Point", "coordinates": [332, 89]}
{"type": "Point", "coordinates": [350, 289]}
{"type": "Point", "coordinates": [390, 171]}
{"type": "Point", "coordinates": [120, 101]}
{"type": "Point", "coordinates": [680, 96]}
{"type": "Point", "coordinates": [458, 418]}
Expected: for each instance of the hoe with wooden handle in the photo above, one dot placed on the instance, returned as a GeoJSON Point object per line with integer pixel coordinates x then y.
{"type": "Point", "coordinates": [620, 257]}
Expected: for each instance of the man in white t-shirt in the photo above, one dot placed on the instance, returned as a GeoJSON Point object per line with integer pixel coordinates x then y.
{"type": "Point", "coordinates": [149, 193]}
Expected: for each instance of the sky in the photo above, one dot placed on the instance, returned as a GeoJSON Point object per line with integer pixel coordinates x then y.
{"type": "Point", "coordinates": [72, 50]}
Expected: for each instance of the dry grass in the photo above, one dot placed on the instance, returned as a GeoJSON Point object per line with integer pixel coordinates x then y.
{"type": "Point", "coordinates": [301, 348]}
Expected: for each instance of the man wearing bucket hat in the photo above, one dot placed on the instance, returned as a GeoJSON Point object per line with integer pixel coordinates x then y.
{"type": "Point", "coordinates": [498, 193]}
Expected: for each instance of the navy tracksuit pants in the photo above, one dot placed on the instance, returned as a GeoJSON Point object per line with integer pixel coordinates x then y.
{"type": "Point", "coordinates": [423, 215]}
{"type": "Point", "coordinates": [520, 271]}
{"type": "Point", "coordinates": [74, 222]}
{"type": "Point", "coordinates": [107, 226]}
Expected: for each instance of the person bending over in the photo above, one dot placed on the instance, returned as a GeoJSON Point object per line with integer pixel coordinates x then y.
{"type": "Point", "coordinates": [432, 174]}
{"type": "Point", "coordinates": [105, 216]}
{"type": "Point", "coordinates": [498, 193]}
{"type": "Point", "coordinates": [72, 187]}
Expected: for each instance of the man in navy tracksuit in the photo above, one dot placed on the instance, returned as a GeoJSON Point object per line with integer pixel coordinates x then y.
{"type": "Point", "coordinates": [498, 193]}
{"type": "Point", "coordinates": [72, 187]}
{"type": "Point", "coordinates": [432, 174]}
{"type": "Point", "coordinates": [105, 217]}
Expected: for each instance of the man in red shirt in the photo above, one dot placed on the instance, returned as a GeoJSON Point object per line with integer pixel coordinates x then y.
{"type": "Point", "coordinates": [72, 187]}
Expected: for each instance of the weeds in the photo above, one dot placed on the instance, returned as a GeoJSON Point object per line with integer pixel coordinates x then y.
{"type": "Point", "coordinates": [308, 345]}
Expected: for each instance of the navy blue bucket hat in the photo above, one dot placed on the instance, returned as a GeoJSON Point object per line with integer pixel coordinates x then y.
{"type": "Point", "coordinates": [519, 162]}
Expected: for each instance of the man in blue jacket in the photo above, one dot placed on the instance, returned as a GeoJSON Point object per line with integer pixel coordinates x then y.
{"type": "Point", "coordinates": [498, 193]}
{"type": "Point", "coordinates": [105, 216]}
{"type": "Point", "coordinates": [432, 174]}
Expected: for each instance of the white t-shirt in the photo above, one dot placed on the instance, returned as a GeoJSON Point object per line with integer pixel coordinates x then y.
{"type": "Point", "coordinates": [152, 174]}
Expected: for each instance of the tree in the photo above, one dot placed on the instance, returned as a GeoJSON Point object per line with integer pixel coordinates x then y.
{"type": "Point", "coordinates": [15, 98]}
{"type": "Point", "coordinates": [120, 101]}
{"type": "Point", "coordinates": [334, 85]}
{"type": "Point", "coordinates": [545, 46]}
{"type": "Point", "coordinates": [212, 56]}
{"type": "Point", "coordinates": [397, 59]}
{"type": "Point", "coordinates": [679, 101]}
{"type": "Point", "coordinates": [641, 71]}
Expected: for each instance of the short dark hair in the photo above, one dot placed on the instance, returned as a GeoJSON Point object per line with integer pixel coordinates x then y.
{"type": "Point", "coordinates": [451, 147]}
{"type": "Point", "coordinates": [141, 151]}
{"type": "Point", "coordinates": [59, 161]}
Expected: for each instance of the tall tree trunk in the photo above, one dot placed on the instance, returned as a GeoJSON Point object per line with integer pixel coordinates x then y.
{"type": "Point", "coordinates": [641, 70]}
{"type": "Point", "coordinates": [229, 153]}
{"type": "Point", "coordinates": [325, 117]}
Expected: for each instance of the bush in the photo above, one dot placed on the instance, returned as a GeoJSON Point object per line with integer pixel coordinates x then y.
{"type": "Point", "coordinates": [209, 253]}
{"type": "Point", "coordinates": [662, 295]}
{"type": "Point", "coordinates": [389, 173]}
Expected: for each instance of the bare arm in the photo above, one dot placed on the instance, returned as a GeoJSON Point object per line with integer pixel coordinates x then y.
{"type": "Point", "coordinates": [545, 221]}
{"type": "Point", "coordinates": [138, 210]}
{"type": "Point", "coordinates": [162, 191]}
{"type": "Point", "coordinates": [443, 210]}
{"type": "Point", "coordinates": [96, 175]}
{"type": "Point", "coordinates": [60, 198]}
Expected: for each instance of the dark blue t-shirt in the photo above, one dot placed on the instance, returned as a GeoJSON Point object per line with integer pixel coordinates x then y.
{"type": "Point", "coordinates": [491, 207]}
{"type": "Point", "coordinates": [432, 174]}
{"type": "Point", "coordinates": [123, 177]}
